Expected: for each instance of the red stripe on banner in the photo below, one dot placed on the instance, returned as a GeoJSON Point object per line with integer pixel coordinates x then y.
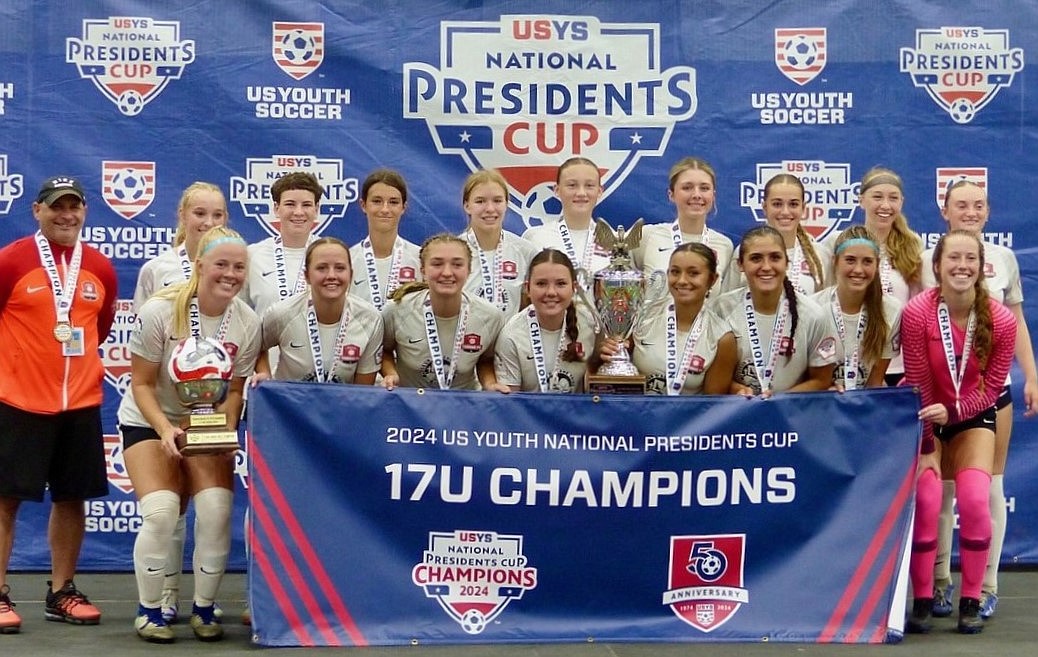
{"type": "Point", "coordinates": [857, 580]}
{"type": "Point", "coordinates": [879, 586]}
{"type": "Point", "coordinates": [295, 623]}
{"type": "Point", "coordinates": [296, 532]}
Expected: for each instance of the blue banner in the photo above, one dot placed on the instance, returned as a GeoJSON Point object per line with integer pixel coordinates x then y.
{"type": "Point", "coordinates": [386, 518]}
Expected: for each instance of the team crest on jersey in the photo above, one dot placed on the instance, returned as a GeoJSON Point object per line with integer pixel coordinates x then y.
{"type": "Point", "coordinates": [800, 53]}
{"type": "Point", "coordinates": [948, 176]}
{"type": "Point", "coordinates": [471, 342]}
{"type": "Point", "coordinates": [697, 365]}
{"type": "Point", "coordinates": [115, 352]}
{"type": "Point", "coordinates": [11, 185]}
{"type": "Point", "coordinates": [130, 59]}
{"type": "Point", "coordinates": [525, 92]}
{"type": "Point", "coordinates": [128, 187]}
{"type": "Point", "coordinates": [298, 48]}
{"type": "Point", "coordinates": [114, 464]}
{"type": "Point", "coordinates": [962, 68]}
{"type": "Point", "coordinates": [474, 596]}
{"type": "Point", "coordinates": [88, 291]}
{"type": "Point", "coordinates": [407, 274]}
{"type": "Point", "coordinates": [705, 586]}
{"type": "Point", "coordinates": [509, 270]}
{"type": "Point", "coordinates": [252, 192]}
{"type": "Point", "coordinates": [350, 353]}
{"type": "Point", "coordinates": [831, 196]}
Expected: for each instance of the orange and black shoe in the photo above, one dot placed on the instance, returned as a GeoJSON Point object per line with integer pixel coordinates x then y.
{"type": "Point", "coordinates": [69, 605]}
{"type": "Point", "coordinates": [10, 621]}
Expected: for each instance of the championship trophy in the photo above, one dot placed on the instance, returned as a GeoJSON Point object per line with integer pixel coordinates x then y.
{"type": "Point", "coordinates": [201, 372]}
{"type": "Point", "coordinates": [619, 300]}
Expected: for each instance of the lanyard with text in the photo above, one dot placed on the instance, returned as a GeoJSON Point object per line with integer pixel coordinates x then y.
{"type": "Point", "coordinates": [491, 288]}
{"type": "Point", "coordinates": [195, 319]}
{"type": "Point", "coordinates": [886, 271]}
{"type": "Point", "coordinates": [571, 249]}
{"type": "Point", "coordinates": [537, 344]}
{"type": "Point", "coordinates": [765, 371]}
{"type": "Point", "coordinates": [796, 266]}
{"type": "Point", "coordinates": [185, 263]}
{"type": "Point", "coordinates": [63, 294]}
{"type": "Point", "coordinates": [675, 233]}
{"type": "Point", "coordinates": [956, 371]}
{"type": "Point", "coordinates": [314, 330]}
{"type": "Point", "coordinates": [280, 268]}
{"type": "Point", "coordinates": [676, 373]}
{"type": "Point", "coordinates": [432, 334]}
{"type": "Point", "coordinates": [850, 362]}
{"type": "Point", "coordinates": [377, 297]}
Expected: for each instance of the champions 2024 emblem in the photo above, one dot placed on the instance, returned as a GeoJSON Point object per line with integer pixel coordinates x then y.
{"type": "Point", "coordinates": [252, 192]}
{"type": "Point", "coordinates": [474, 575]}
{"type": "Point", "coordinates": [524, 93]}
{"type": "Point", "coordinates": [948, 176]}
{"type": "Point", "coordinates": [800, 53]}
{"type": "Point", "coordinates": [11, 186]}
{"type": "Point", "coordinates": [705, 586]}
{"type": "Point", "coordinates": [831, 196]}
{"type": "Point", "coordinates": [298, 48]}
{"type": "Point", "coordinates": [130, 59]}
{"type": "Point", "coordinates": [128, 187]}
{"type": "Point", "coordinates": [962, 68]}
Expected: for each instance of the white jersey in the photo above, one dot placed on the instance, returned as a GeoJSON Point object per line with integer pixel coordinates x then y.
{"type": "Point", "coordinates": [798, 269]}
{"type": "Point", "coordinates": [285, 325]}
{"type": "Point", "coordinates": [262, 287]}
{"type": "Point", "coordinates": [514, 360]}
{"type": "Point", "coordinates": [891, 348]}
{"type": "Point", "coordinates": [510, 272]}
{"type": "Point", "coordinates": [152, 340]}
{"type": "Point", "coordinates": [650, 350]}
{"type": "Point", "coordinates": [591, 257]}
{"type": "Point", "coordinates": [658, 241]}
{"type": "Point", "coordinates": [161, 271]}
{"type": "Point", "coordinates": [407, 340]}
{"type": "Point", "coordinates": [407, 268]}
{"type": "Point", "coordinates": [814, 345]}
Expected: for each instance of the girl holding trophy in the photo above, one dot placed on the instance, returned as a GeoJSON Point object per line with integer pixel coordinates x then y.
{"type": "Point", "coordinates": [205, 315]}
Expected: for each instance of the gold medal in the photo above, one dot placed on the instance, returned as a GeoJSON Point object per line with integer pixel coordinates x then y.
{"type": "Point", "coordinates": [63, 332]}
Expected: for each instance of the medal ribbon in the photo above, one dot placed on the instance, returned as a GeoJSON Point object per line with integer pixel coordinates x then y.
{"type": "Point", "coordinates": [65, 294]}
{"type": "Point", "coordinates": [956, 371]}
{"type": "Point", "coordinates": [491, 287]}
{"type": "Point", "coordinates": [195, 321]}
{"type": "Point", "coordinates": [185, 263]}
{"type": "Point", "coordinates": [676, 374]}
{"type": "Point", "coordinates": [280, 268]}
{"type": "Point", "coordinates": [537, 343]}
{"type": "Point", "coordinates": [851, 360]}
{"type": "Point", "coordinates": [377, 298]}
{"type": "Point", "coordinates": [571, 249]}
{"type": "Point", "coordinates": [765, 371]}
{"type": "Point", "coordinates": [314, 330]}
{"type": "Point", "coordinates": [436, 350]}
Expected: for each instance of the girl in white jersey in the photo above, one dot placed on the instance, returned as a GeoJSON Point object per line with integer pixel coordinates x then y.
{"type": "Point", "coordinates": [693, 191]}
{"type": "Point", "coordinates": [786, 341]}
{"type": "Point", "coordinates": [784, 209]}
{"type": "Point", "coordinates": [966, 208]}
{"type": "Point", "coordinates": [151, 418]}
{"type": "Point", "coordinates": [544, 348]}
{"type": "Point", "coordinates": [867, 322]}
{"type": "Point", "coordinates": [383, 260]}
{"type": "Point", "coordinates": [436, 334]}
{"type": "Point", "coordinates": [500, 258]}
{"type": "Point", "coordinates": [323, 334]}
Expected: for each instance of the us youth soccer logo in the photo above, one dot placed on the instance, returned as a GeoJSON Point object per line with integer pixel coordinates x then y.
{"type": "Point", "coordinates": [11, 186]}
{"type": "Point", "coordinates": [128, 187]}
{"type": "Point", "coordinates": [705, 584]}
{"type": "Point", "coordinates": [830, 195]}
{"type": "Point", "coordinates": [252, 192]}
{"type": "Point", "coordinates": [800, 52]}
{"type": "Point", "coordinates": [298, 48]}
{"type": "Point", "coordinates": [962, 68]}
{"type": "Point", "coordinates": [130, 59]}
{"type": "Point", "coordinates": [524, 93]}
{"type": "Point", "coordinates": [115, 352]}
{"type": "Point", "coordinates": [474, 575]}
{"type": "Point", "coordinates": [948, 176]}
{"type": "Point", "coordinates": [114, 464]}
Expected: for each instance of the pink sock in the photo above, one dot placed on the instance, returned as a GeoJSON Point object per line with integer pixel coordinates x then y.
{"type": "Point", "coordinates": [971, 488]}
{"type": "Point", "coordinates": [928, 492]}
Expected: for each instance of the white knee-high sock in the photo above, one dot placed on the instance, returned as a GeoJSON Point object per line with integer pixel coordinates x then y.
{"type": "Point", "coordinates": [998, 532]}
{"type": "Point", "coordinates": [175, 558]}
{"type": "Point", "coordinates": [159, 512]}
{"type": "Point", "coordinates": [212, 541]}
{"type": "Point", "coordinates": [945, 527]}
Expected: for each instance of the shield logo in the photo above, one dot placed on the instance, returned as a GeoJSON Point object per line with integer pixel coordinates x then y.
{"type": "Point", "coordinates": [948, 176]}
{"type": "Point", "coordinates": [114, 464]}
{"type": "Point", "coordinates": [471, 342]}
{"type": "Point", "coordinates": [829, 182]}
{"type": "Point", "coordinates": [800, 53]}
{"type": "Point", "coordinates": [298, 48]}
{"type": "Point", "coordinates": [705, 582]}
{"type": "Point", "coordinates": [128, 188]}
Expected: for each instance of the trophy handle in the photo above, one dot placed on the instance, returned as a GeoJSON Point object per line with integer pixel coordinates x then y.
{"type": "Point", "coordinates": [582, 283]}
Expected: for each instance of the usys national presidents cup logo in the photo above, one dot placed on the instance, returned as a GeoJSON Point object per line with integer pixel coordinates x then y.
{"type": "Point", "coordinates": [474, 575]}
{"type": "Point", "coordinates": [962, 68]}
{"type": "Point", "coordinates": [830, 194]}
{"type": "Point", "coordinates": [131, 59]}
{"type": "Point", "coordinates": [526, 92]}
{"type": "Point", "coordinates": [705, 583]}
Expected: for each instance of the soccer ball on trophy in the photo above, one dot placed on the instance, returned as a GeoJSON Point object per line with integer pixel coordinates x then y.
{"type": "Point", "coordinates": [800, 52]}
{"type": "Point", "coordinates": [198, 358]}
{"type": "Point", "coordinates": [298, 47]}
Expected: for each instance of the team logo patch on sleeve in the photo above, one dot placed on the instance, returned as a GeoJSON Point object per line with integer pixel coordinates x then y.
{"type": "Point", "coordinates": [350, 353]}
{"type": "Point", "coordinates": [705, 586]}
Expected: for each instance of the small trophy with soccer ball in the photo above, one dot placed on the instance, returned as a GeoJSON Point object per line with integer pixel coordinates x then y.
{"type": "Point", "coordinates": [201, 371]}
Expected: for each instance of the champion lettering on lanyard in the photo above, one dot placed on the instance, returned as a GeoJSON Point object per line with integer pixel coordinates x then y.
{"type": "Point", "coordinates": [65, 294]}
{"type": "Point", "coordinates": [185, 263]}
{"type": "Point", "coordinates": [280, 269]}
{"type": "Point", "coordinates": [957, 371]}
{"type": "Point", "coordinates": [765, 371]}
{"type": "Point", "coordinates": [571, 249]}
{"type": "Point", "coordinates": [676, 373]}
{"type": "Point", "coordinates": [195, 319]}
{"type": "Point", "coordinates": [675, 233]}
{"type": "Point", "coordinates": [796, 266]}
{"type": "Point", "coordinates": [886, 271]}
{"type": "Point", "coordinates": [313, 328]}
{"type": "Point", "coordinates": [537, 344]}
{"type": "Point", "coordinates": [491, 288]}
{"type": "Point", "coordinates": [850, 362]}
{"type": "Point", "coordinates": [432, 335]}
{"type": "Point", "coordinates": [377, 297]}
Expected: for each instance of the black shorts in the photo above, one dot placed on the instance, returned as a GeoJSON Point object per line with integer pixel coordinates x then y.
{"type": "Point", "coordinates": [984, 420]}
{"type": "Point", "coordinates": [63, 452]}
{"type": "Point", "coordinates": [132, 434]}
{"type": "Point", "coordinates": [1005, 399]}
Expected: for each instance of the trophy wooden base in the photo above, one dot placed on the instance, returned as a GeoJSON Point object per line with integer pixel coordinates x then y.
{"type": "Point", "coordinates": [603, 384]}
{"type": "Point", "coordinates": [195, 443]}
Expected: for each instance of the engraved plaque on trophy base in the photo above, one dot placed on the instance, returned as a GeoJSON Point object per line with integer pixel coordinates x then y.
{"type": "Point", "coordinates": [606, 384]}
{"type": "Point", "coordinates": [203, 438]}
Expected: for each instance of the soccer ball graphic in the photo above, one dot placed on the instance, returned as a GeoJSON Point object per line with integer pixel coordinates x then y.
{"type": "Point", "coordinates": [800, 52]}
{"type": "Point", "coordinates": [473, 621]}
{"type": "Point", "coordinates": [962, 110]}
{"type": "Point", "coordinates": [130, 102]}
{"type": "Point", "coordinates": [195, 359]}
{"type": "Point", "coordinates": [298, 47]}
{"type": "Point", "coordinates": [541, 206]}
{"type": "Point", "coordinates": [128, 186]}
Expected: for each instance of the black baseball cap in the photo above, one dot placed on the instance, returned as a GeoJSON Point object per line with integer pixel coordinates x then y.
{"type": "Point", "coordinates": [55, 187]}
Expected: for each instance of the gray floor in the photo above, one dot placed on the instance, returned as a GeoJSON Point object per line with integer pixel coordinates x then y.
{"type": "Point", "coordinates": [1012, 633]}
